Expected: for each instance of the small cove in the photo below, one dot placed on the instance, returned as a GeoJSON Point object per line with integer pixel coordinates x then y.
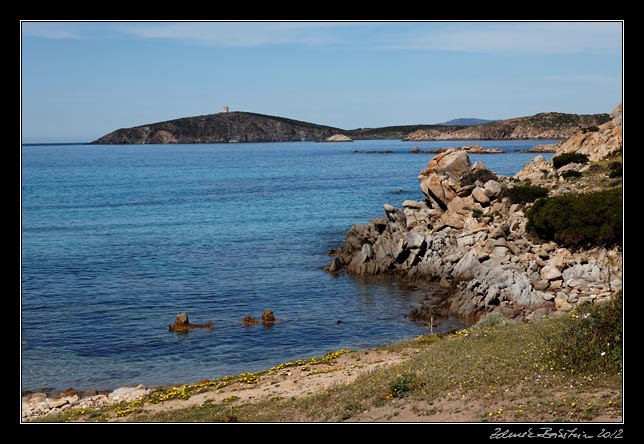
{"type": "Point", "coordinates": [116, 240]}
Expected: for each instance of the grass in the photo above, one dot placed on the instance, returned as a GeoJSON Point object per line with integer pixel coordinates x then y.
{"type": "Point", "coordinates": [504, 372]}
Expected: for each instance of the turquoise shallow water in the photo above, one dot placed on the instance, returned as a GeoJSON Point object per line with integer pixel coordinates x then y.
{"type": "Point", "coordinates": [116, 240]}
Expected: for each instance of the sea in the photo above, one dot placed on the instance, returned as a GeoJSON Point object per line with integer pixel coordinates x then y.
{"type": "Point", "coordinates": [116, 240]}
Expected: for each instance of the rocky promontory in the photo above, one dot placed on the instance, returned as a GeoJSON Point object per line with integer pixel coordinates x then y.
{"type": "Point", "coordinates": [538, 126]}
{"type": "Point", "coordinates": [221, 128]}
{"type": "Point", "coordinates": [237, 126]}
{"type": "Point", "coordinates": [470, 236]}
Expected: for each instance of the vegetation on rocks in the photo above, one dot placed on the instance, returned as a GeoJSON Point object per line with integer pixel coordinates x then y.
{"type": "Point", "coordinates": [480, 174]}
{"type": "Point", "coordinates": [570, 174]}
{"type": "Point", "coordinates": [579, 220]}
{"type": "Point", "coordinates": [566, 158]}
{"type": "Point", "coordinates": [519, 194]}
{"type": "Point", "coordinates": [615, 169]}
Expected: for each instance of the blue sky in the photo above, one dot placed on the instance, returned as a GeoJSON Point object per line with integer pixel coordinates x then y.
{"type": "Point", "coordinates": [81, 80]}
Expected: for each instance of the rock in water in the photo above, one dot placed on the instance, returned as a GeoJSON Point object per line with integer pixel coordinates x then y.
{"type": "Point", "coordinates": [181, 319]}
{"type": "Point", "coordinates": [267, 317]}
{"type": "Point", "coordinates": [182, 324]}
{"type": "Point", "coordinates": [249, 320]}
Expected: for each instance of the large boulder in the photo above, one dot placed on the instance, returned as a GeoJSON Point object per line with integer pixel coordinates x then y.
{"type": "Point", "coordinates": [452, 162]}
{"type": "Point", "coordinates": [438, 188]}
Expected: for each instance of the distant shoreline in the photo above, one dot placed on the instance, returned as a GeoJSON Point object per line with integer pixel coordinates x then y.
{"type": "Point", "coordinates": [55, 143]}
{"type": "Point", "coordinates": [288, 141]}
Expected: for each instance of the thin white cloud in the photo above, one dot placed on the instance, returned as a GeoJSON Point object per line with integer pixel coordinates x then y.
{"type": "Point", "coordinates": [238, 34]}
{"type": "Point", "coordinates": [512, 37]}
{"type": "Point", "coordinates": [48, 30]}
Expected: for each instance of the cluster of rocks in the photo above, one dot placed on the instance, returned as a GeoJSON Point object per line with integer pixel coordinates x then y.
{"type": "Point", "coordinates": [542, 148]}
{"type": "Point", "coordinates": [473, 240]}
{"type": "Point", "coordinates": [37, 405]}
{"type": "Point", "coordinates": [474, 149]}
{"type": "Point", "coordinates": [596, 144]}
{"type": "Point", "coordinates": [267, 319]}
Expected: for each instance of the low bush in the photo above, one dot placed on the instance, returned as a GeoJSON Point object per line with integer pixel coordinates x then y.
{"type": "Point", "coordinates": [579, 220]}
{"type": "Point", "coordinates": [490, 320]}
{"type": "Point", "coordinates": [524, 193]}
{"type": "Point", "coordinates": [615, 173]}
{"type": "Point", "coordinates": [615, 169]}
{"type": "Point", "coordinates": [570, 173]}
{"type": "Point", "coordinates": [403, 384]}
{"type": "Point", "coordinates": [566, 158]}
{"type": "Point", "coordinates": [591, 129]}
{"type": "Point", "coordinates": [478, 174]}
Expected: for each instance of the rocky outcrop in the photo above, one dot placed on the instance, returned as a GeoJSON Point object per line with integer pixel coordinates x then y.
{"type": "Point", "coordinates": [181, 324]}
{"type": "Point", "coordinates": [543, 148]}
{"type": "Point", "coordinates": [221, 128]}
{"type": "Point", "coordinates": [596, 142]}
{"type": "Point", "coordinates": [473, 149]}
{"type": "Point", "coordinates": [539, 126]}
{"type": "Point", "coordinates": [268, 318]}
{"type": "Point", "coordinates": [339, 138]}
{"type": "Point", "coordinates": [38, 405]}
{"type": "Point", "coordinates": [162, 136]}
{"type": "Point", "coordinates": [473, 240]}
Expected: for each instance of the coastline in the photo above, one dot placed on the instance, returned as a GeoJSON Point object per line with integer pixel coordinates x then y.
{"type": "Point", "coordinates": [327, 380]}
{"type": "Point", "coordinates": [568, 280]}
{"type": "Point", "coordinates": [475, 231]}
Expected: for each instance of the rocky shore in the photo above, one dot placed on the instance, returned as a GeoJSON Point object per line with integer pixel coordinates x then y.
{"type": "Point", "coordinates": [467, 235]}
{"type": "Point", "coordinates": [539, 126]}
{"type": "Point", "coordinates": [39, 404]}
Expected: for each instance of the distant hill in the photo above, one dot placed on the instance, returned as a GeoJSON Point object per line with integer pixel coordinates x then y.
{"type": "Point", "coordinates": [221, 128]}
{"type": "Point", "coordinates": [539, 126]}
{"type": "Point", "coordinates": [394, 132]}
{"type": "Point", "coordinates": [239, 126]}
{"type": "Point", "coordinates": [466, 121]}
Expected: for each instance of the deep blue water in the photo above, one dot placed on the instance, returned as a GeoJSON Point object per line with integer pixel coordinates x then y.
{"type": "Point", "coordinates": [116, 240]}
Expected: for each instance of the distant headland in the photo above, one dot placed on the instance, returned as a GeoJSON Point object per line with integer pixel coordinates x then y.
{"type": "Point", "coordinates": [238, 126]}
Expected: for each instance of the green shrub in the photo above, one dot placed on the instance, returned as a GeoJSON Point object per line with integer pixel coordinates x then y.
{"type": "Point", "coordinates": [615, 169]}
{"type": "Point", "coordinates": [566, 158]}
{"type": "Point", "coordinates": [524, 193]}
{"type": "Point", "coordinates": [489, 320]}
{"type": "Point", "coordinates": [570, 173]}
{"type": "Point", "coordinates": [403, 384]}
{"type": "Point", "coordinates": [615, 173]}
{"type": "Point", "coordinates": [478, 174]}
{"type": "Point", "coordinates": [590, 129]}
{"type": "Point", "coordinates": [590, 340]}
{"type": "Point", "coordinates": [579, 220]}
